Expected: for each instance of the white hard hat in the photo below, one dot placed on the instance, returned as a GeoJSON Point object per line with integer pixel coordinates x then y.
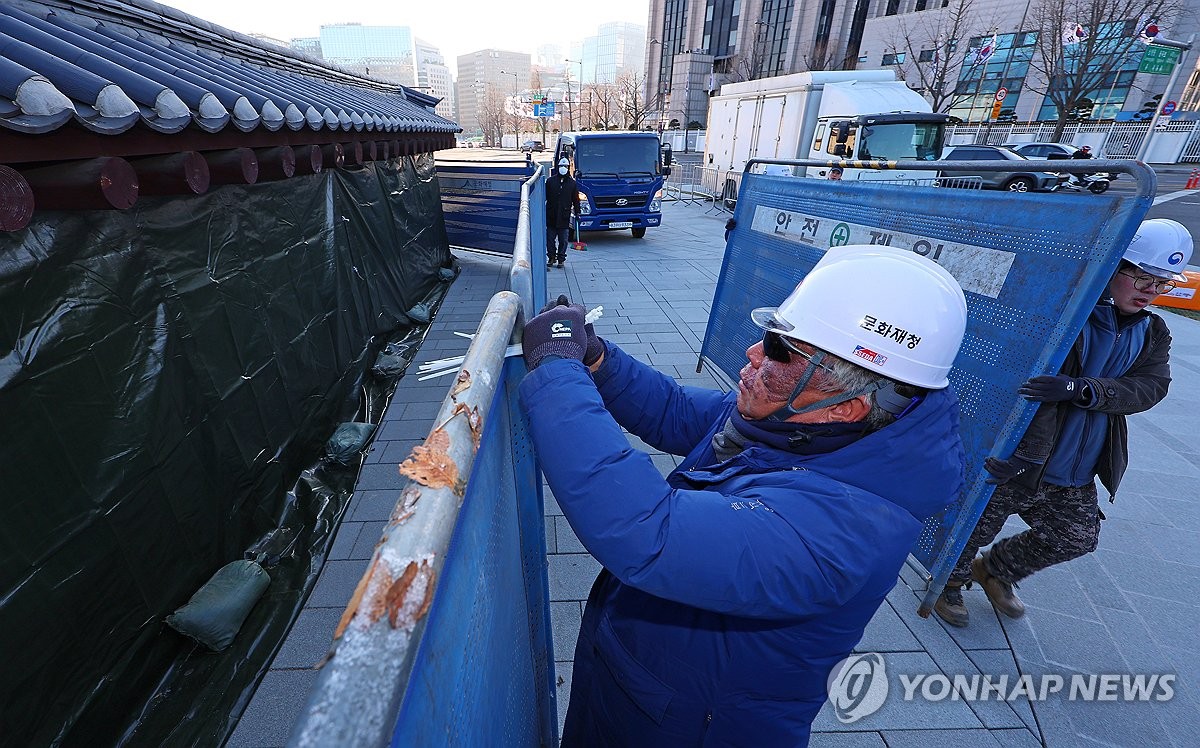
{"type": "Point", "coordinates": [563, 161]}
{"type": "Point", "coordinates": [885, 309]}
{"type": "Point", "coordinates": [1161, 247]}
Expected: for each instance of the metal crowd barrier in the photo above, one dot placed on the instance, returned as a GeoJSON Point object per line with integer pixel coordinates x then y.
{"type": "Point", "coordinates": [1032, 266]}
{"type": "Point", "coordinates": [446, 640]}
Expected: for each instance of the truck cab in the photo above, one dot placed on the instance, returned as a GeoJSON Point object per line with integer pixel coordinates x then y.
{"type": "Point", "coordinates": [851, 115]}
{"type": "Point", "coordinates": [620, 177]}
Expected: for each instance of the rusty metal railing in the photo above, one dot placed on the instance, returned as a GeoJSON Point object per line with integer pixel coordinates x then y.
{"type": "Point", "coordinates": [363, 680]}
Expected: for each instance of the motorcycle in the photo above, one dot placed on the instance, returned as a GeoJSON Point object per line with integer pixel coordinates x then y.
{"type": "Point", "coordinates": [1094, 183]}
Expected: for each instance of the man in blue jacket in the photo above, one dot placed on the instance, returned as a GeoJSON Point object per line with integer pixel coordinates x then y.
{"type": "Point", "coordinates": [731, 588]}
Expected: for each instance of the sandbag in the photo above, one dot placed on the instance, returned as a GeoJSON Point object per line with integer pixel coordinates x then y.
{"type": "Point", "coordinates": [348, 440]}
{"type": "Point", "coordinates": [216, 612]}
{"type": "Point", "coordinates": [420, 313]}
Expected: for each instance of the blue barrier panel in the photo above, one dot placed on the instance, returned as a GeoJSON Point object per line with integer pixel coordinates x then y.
{"type": "Point", "coordinates": [537, 239]}
{"type": "Point", "coordinates": [480, 202]}
{"type": "Point", "coordinates": [1032, 267]}
{"type": "Point", "coordinates": [483, 672]}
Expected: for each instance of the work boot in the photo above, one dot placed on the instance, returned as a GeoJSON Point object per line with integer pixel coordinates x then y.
{"type": "Point", "coordinates": [560, 264]}
{"type": "Point", "coordinates": [997, 590]}
{"type": "Point", "coordinates": [951, 608]}
{"type": "Point", "coordinates": [549, 264]}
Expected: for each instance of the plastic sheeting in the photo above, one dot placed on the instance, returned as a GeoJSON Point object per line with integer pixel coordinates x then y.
{"type": "Point", "coordinates": [168, 379]}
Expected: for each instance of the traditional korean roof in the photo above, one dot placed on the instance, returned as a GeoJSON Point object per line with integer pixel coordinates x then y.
{"type": "Point", "coordinates": [110, 67]}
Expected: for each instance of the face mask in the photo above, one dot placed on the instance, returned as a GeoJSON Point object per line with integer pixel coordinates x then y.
{"type": "Point", "coordinates": [562, 170]}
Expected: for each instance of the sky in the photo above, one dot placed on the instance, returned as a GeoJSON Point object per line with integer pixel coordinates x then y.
{"type": "Point", "coordinates": [456, 27]}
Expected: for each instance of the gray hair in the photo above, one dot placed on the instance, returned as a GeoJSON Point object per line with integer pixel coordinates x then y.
{"type": "Point", "coordinates": [839, 375]}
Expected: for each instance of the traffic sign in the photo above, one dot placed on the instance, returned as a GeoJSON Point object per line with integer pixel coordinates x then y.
{"type": "Point", "coordinates": [544, 110]}
{"type": "Point", "coordinates": [1000, 94]}
{"type": "Point", "coordinates": [1168, 108]}
{"type": "Point", "coordinates": [1159, 60]}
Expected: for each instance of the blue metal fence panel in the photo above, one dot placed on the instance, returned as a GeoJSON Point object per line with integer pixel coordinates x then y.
{"type": "Point", "coordinates": [483, 674]}
{"type": "Point", "coordinates": [480, 201]}
{"type": "Point", "coordinates": [1032, 267]}
{"type": "Point", "coordinates": [537, 239]}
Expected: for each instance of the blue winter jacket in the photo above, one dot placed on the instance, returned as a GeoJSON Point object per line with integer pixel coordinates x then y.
{"type": "Point", "coordinates": [729, 589]}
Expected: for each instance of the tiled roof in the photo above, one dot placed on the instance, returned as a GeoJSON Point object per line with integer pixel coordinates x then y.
{"type": "Point", "coordinates": [110, 66]}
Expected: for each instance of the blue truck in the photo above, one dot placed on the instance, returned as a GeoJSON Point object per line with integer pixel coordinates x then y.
{"type": "Point", "coordinates": [620, 177]}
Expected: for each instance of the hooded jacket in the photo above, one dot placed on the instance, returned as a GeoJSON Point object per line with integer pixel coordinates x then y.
{"type": "Point", "coordinates": [730, 589]}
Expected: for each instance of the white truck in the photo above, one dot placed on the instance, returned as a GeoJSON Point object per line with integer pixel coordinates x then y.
{"type": "Point", "coordinates": [827, 115]}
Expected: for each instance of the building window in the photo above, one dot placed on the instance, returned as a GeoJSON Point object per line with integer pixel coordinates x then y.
{"type": "Point", "coordinates": [893, 7]}
{"type": "Point", "coordinates": [894, 58]}
{"type": "Point", "coordinates": [920, 5]}
{"type": "Point", "coordinates": [925, 56]}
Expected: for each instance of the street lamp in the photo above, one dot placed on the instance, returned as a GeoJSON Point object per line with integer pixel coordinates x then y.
{"type": "Point", "coordinates": [572, 110]}
{"type": "Point", "coordinates": [516, 117]}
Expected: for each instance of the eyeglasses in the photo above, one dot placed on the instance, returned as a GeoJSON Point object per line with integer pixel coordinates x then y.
{"type": "Point", "coordinates": [1148, 283]}
{"type": "Point", "coordinates": [779, 348]}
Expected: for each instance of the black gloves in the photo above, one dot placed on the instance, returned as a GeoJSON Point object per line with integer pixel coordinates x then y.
{"type": "Point", "coordinates": [730, 225]}
{"type": "Point", "coordinates": [1005, 470]}
{"type": "Point", "coordinates": [558, 331]}
{"type": "Point", "coordinates": [1053, 389]}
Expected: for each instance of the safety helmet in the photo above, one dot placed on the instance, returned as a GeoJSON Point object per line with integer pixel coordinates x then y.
{"type": "Point", "coordinates": [564, 162]}
{"type": "Point", "coordinates": [1161, 247]}
{"type": "Point", "coordinates": [885, 309]}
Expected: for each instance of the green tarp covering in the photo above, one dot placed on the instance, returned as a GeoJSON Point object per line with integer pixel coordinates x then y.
{"type": "Point", "coordinates": [169, 377]}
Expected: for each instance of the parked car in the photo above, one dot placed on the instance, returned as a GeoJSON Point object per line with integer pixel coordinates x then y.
{"type": "Point", "coordinates": [1050, 151]}
{"type": "Point", "coordinates": [1043, 150]}
{"type": "Point", "coordinates": [1014, 181]}
{"type": "Point", "coordinates": [533, 145]}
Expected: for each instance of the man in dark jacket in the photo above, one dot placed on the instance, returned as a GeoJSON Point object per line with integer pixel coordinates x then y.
{"type": "Point", "coordinates": [1119, 365]}
{"type": "Point", "coordinates": [732, 587]}
{"type": "Point", "coordinates": [562, 197]}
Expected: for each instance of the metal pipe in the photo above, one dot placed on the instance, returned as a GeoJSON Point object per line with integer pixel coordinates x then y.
{"type": "Point", "coordinates": [362, 684]}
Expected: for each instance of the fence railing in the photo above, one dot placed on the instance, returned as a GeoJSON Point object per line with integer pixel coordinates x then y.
{"type": "Point", "coordinates": [446, 640]}
{"type": "Point", "coordinates": [1122, 140]}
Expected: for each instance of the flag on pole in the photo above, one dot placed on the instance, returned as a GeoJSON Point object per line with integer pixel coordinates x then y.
{"type": "Point", "coordinates": [986, 50]}
{"type": "Point", "coordinates": [1150, 31]}
{"type": "Point", "coordinates": [1073, 33]}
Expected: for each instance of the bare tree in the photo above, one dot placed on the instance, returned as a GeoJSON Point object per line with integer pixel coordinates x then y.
{"type": "Point", "coordinates": [931, 50]}
{"type": "Point", "coordinates": [605, 106]}
{"type": "Point", "coordinates": [492, 116]}
{"type": "Point", "coordinates": [1071, 69]}
{"type": "Point", "coordinates": [635, 107]}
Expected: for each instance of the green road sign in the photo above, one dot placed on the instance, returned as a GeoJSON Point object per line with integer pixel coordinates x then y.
{"type": "Point", "coordinates": [1159, 60]}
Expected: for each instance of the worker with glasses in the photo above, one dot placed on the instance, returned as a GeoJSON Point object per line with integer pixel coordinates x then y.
{"type": "Point", "coordinates": [1119, 365]}
{"type": "Point", "coordinates": [733, 586]}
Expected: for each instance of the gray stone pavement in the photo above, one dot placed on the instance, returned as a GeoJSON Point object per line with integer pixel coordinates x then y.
{"type": "Point", "coordinates": [1132, 607]}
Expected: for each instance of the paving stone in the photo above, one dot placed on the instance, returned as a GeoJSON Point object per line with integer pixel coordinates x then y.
{"type": "Point", "coordinates": [565, 618]}
{"type": "Point", "coordinates": [309, 639]}
{"type": "Point", "coordinates": [1171, 624]}
{"type": "Point", "coordinates": [898, 714]}
{"type": "Point", "coordinates": [277, 702]}
{"type": "Point", "coordinates": [1152, 576]}
{"type": "Point", "coordinates": [956, 738]}
{"type": "Point", "coordinates": [847, 740]}
{"type": "Point", "coordinates": [336, 583]}
{"type": "Point", "coordinates": [571, 576]}
{"type": "Point", "coordinates": [372, 506]}
{"type": "Point", "coordinates": [343, 543]}
{"type": "Point", "coordinates": [368, 538]}
{"type": "Point", "coordinates": [565, 538]}
{"type": "Point", "coordinates": [997, 662]}
{"type": "Point", "coordinates": [1058, 590]}
{"type": "Point", "coordinates": [379, 477]}
{"type": "Point", "coordinates": [562, 679]}
{"type": "Point", "coordinates": [887, 633]}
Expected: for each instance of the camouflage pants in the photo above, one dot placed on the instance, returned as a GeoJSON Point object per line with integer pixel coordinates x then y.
{"type": "Point", "coordinates": [1064, 523]}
